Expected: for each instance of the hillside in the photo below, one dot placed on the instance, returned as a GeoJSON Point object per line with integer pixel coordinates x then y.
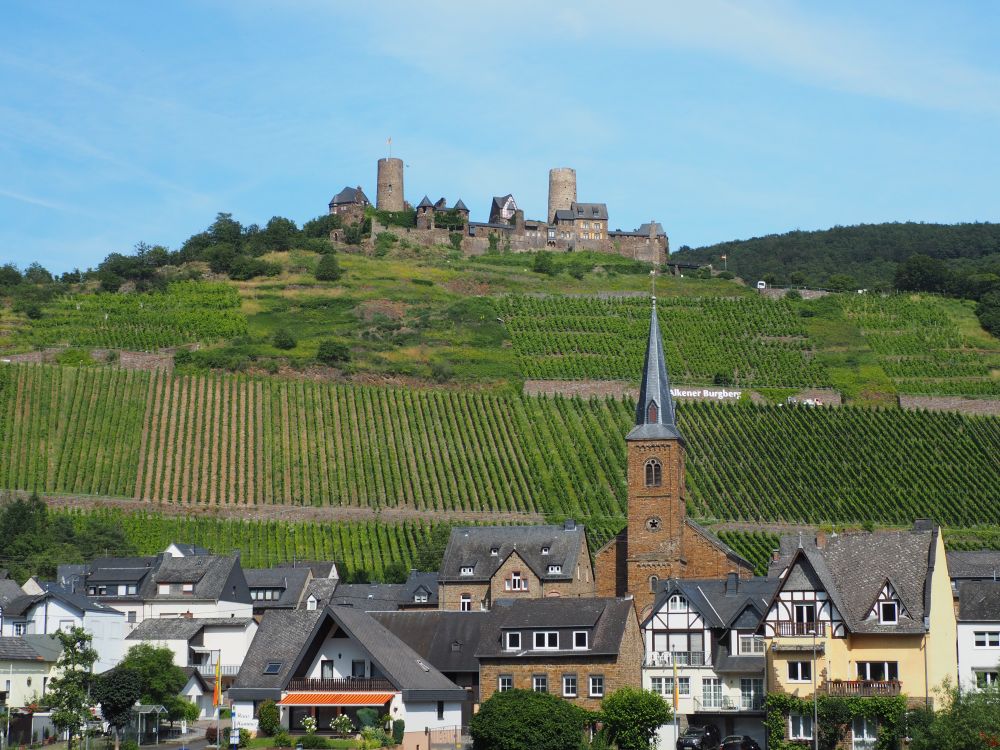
{"type": "Point", "coordinates": [867, 254]}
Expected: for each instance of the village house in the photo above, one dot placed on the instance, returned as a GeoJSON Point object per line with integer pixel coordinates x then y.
{"type": "Point", "coordinates": [978, 634]}
{"type": "Point", "coordinates": [27, 666]}
{"type": "Point", "coordinates": [211, 645]}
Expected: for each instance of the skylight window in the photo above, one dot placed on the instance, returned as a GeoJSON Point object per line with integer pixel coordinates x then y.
{"type": "Point", "coordinates": [545, 550]}
{"type": "Point", "coordinates": [494, 551]}
{"type": "Point", "coordinates": [467, 570]}
{"type": "Point", "coordinates": [272, 667]}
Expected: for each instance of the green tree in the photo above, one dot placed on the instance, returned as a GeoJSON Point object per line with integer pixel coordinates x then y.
{"type": "Point", "coordinates": [632, 716]}
{"type": "Point", "coordinates": [921, 273]}
{"type": "Point", "coordinates": [69, 694]}
{"type": "Point", "coordinates": [162, 680]}
{"type": "Point", "coordinates": [328, 269]}
{"type": "Point", "coordinates": [518, 719]}
{"type": "Point", "coordinates": [333, 352]}
{"type": "Point", "coordinates": [970, 720]}
{"type": "Point", "coordinates": [283, 339]}
{"type": "Point", "coordinates": [117, 691]}
{"type": "Point", "coordinates": [544, 263]}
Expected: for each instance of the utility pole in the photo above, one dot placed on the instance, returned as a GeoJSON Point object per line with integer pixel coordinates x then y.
{"type": "Point", "coordinates": [815, 703]}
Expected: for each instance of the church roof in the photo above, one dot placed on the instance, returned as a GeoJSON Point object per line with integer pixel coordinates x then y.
{"type": "Point", "coordinates": [661, 422]}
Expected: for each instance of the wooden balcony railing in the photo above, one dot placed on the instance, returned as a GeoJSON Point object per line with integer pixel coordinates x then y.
{"type": "Point", "coordinates": [863, 688]}
{"type": "Point", "coordinates": [365, 684]}
{"type": "Point", "coordinates": [801, 629]}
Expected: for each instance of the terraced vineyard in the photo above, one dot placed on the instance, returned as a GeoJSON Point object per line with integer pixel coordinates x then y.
{"type": "Point", "coordinates": [740, 340]}
{"type": "Point", "coordinates": [236, 441]}
{"type": "Point", "coordinates": [188, 311]}
{"type": "Point", "coordinates": [921, 348]}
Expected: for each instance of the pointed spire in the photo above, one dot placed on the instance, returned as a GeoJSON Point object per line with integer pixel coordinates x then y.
{"type": "Point", "coordinates": [654, 411]}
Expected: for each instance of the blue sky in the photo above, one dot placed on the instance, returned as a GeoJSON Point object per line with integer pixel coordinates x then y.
{"type": "Point", "coordinates": [123, 122]}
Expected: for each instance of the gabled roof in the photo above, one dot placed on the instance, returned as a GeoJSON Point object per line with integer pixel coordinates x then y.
{"type": "Point", "coordinates": [654, 389]}
{"type": "Point", "coordinates": [73, 599]}
{"type": "Point", "coordinates": [447, 639]}
{"type": "Point", "coordinates": [349, 195]}
{"type": "Point", "coordinates": [720, 602]}
{"type": "Point", "coordinates": [605, 620]}
{"type": "Point", "coordinates": [322, 590]}
{"type": "Point", "coordinates": [979, 601]}
{"type": "Point", "coordinates": [292, 582]}
{"type": "Point", "coordinates": [499, 201]}
{"type": "Point", "coordinates": [208, 573]}
{"type": "Point", "coordinates": [187, 550]}
{"type": "Point", "coordinates": [182, 628]}
{"type": "Point", "coordinates": [853, 568]}
{"type": "Point", "coordinates": [982, 564]}
{"type": "Point", "coordinates": [368, 597]}
{"type": "Point", "coordinates": [286, 637]}
{"type": "Point", "coordinates": [319, 568]}
{"type": "Point", "coordinates": [422, 582]}
{"type": "Point", "coordinates": [9, 592]}
{"type": "Point", "coordinates": [120, 569]}
{"type": "Point", "coordinates": [30, 648]}
{"type": "Point", "coordinates": [473, 545]}
{"type": "Point", "coordinates": [589, 210]}
{"type": "Point", "coordinates": [564, 214]}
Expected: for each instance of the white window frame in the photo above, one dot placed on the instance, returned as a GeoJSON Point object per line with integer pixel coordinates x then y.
{"type": "Point", "coordinates": [20, 628]}
{"type": "Point", "coordinates": [986, 677]}
{"type": "Point", "coordinates": [163, 588]}
{"type": "Point", "coordinates": [595, 686]}
{"type": "Point", "coordinates": [515, 582]}
{"type": "Point", "coordinates": [508, 639]}
{"type": "Point", "coordinates": [465, 603]}
{"type": "Point", "coordinates": [547, 636]}
{"type": "Point", "coordinates": [586, 640]}
{"type": "Point", "coordinates": [869, 733]}
{"type": "Point", "coordinates": [505, 682]}
{"type": "Point", "coordinates": [467, 570]}
{"type": "Point", "coordinates": [881, 613]}
{"type": "Point", "coordinates": [540, 683]}
{"type": "Point", "coordinates": [555, 569]}
{"type": "Point", "coordinates": [757, 644]}
{"type": "Point", "coordinates": [801, 665]}
{"type": "Point", "coordinates": [986, 639]}
{"type": "Point", "coordinates": [545, 550]}
{"type": "Point", "coordinates": [566, 690]}
{"type": "Point", "coordinates": [677, 603]}
{"type": "Point", "coordinates": [798, 725]}
{"type": "Point", "coordinates": [867, 668]}
{"type": "Point", "coordinates": [420, 598]}
{"type": "Point", "coordinates": [711, 692]}
{"type": "Point", "coordinates": [187, 588]}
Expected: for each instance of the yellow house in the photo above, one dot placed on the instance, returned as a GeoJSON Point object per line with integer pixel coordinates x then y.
{"type": "Point", "coordinates": [861, 614]}
{"type": "Point", "coordinates": [27, 665]}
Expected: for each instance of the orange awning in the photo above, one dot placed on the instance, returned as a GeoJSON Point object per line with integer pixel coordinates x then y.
{"type": "Point", "coordinates": [337, 699]}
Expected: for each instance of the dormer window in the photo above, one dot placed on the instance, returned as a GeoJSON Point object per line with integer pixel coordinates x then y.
{"type": "Point", "coordinates": [677, 603]}
{"type": "Point", "coordinates": [888, 613]}
{"type": "Point", "coordinates": [579, 639]}
{"type": "Point", "coordinates": [652, 412]}
{"type": "Point", "coordinates": [555, 569]}
{"type": "Point", "coordinates": [311, 602]}
{"type": "Point", "coordinates": [468, 570]}
{"type": "Point", "coordinates": [163, 588]}
{"type": "Point", "coordinates": [546, 640]}
{"type": "Point", "coordinates": [512, 641]}
{"type": "Point", "coordinates": [545, 550]}
{"type": "Point", "coordinates": [420, 598]}
{"type": "Point", "coordinates": [494, 551]}
{"type": "Point", "coordinates": [188, 588]}
{"type": "Point", "coordinates": [654, 473]}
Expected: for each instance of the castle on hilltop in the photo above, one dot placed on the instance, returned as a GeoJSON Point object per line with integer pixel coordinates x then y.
{"type": "Point", "coordinates": [569, 224]}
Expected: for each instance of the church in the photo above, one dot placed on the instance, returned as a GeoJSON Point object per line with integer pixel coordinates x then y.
{"type": "Point", "coordinates": [660, 541]}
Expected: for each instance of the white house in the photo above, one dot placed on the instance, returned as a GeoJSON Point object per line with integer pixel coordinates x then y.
{"type": "Point", "coordinates": [55, 609]}
{"type": "Point", "coordinates": [196, 586]}
{"type": "Point", "coordinates": [336, 660]}
{"type": "Point", "coordinates": [978, 634]}
{"type": "Point", "coordinates": [702, 634]}
{"type": "Point", "coordinates": [200, 642]}
{"type": "Point", "coordinates": [27, 665]}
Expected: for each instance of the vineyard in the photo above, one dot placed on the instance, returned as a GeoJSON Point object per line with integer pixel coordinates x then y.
{"type": "Point", "coordinates": [237, 441]}
{"type": "Point", "coordinates": [188, 311]}
{"type": "Point", "coordinates": [920, 346]}
{"type": "Point", "coordinates": [746, 341]}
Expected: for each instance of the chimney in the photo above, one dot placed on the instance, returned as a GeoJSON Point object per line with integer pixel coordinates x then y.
{"type": "Point", "coordinates": [775, 554]}
{"type": "Point", "coordinates": [820, 539]}
{"type": "Point", "coordinates": [569, 524]}
{"type": "Point", "coordinates": [732, 584]}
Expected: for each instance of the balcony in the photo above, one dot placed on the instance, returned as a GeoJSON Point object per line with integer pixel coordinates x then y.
{"type": "Point", "coordinates": [208, 670]}
{"type": "Point", "coordinates": [681, 658]}
{"type": "Point", "coordinates": [863, 688]}
{"type": "Point", "coordinates": [801, 629]}
{"type": "Point", "coordinates": [365, 684]}
{"type": "Point", "coordinates": [725, 704]}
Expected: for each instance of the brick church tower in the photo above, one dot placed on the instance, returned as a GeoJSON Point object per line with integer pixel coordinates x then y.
{"type": "Point", "coordinates": [660, 542]}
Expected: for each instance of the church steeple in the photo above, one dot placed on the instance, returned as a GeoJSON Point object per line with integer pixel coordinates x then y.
{"type": "Point", "coordinates": [654, 411]}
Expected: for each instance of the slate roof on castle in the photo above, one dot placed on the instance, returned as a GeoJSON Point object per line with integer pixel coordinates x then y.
{"type": "Point", "coordinates": [642, 231]}
{"type": "Point", "coordinates": [348, 196]}
{"type": "Point", "coordinates": [473, 546]}
{"type": "Point", "coordinates": [598, 211]}
{"type": "Point", "coordinates": [905, 559]}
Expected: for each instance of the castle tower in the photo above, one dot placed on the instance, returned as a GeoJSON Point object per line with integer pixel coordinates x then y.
{"type": "Point", "coordinates": [389, 190]}
{"type": "Point", "coordinates": [562, 190]}
{"type": "Point", "coordinates": [655, 469]}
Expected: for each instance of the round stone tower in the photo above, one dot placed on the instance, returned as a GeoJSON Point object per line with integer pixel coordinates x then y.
{"type": "Point", "coordinates": [389, 192]}
{"type": "Point", "coordinates": [562, 190]}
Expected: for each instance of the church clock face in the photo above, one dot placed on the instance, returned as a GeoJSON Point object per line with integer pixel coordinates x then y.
{"type": "Point", "coordinates": [653, 523]}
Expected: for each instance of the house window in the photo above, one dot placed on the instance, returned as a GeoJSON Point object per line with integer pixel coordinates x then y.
{"type": "Point", "coordinates": [579, 639]}
{"type": "Point", "coordinates": [864, 733]}
{"type": "Point", "coordinates": [986, 679]}
{"type": "Point", "coordinates": [163, 588]}
{"type": "Point", "coordinates": [440, 710]}
{"type": "Point", "coordinates": [751, 644]}
{"type": "Point", "coordinates": [20, 628]}
{"type": "Point", "coordinates": [751, 693]}
{"type": "Point", "coordinates": [358, 668]}
{"type": "Point", "coordinates": [711, 692]}
{"type": "Point", "coordinates": [546, 640]}
{"type": "Point", "coordinates": [677, 603]}
{"type": "Point", "coordinates": [654, 473]}
{"type": "Point", "coordinates": [505, 682]}
{"type": "Point", "coordinates": [569, 685]}
{"type": "Point", "coordinates": [800, 727]}
{"type": "Point", "coordinates": [799, 671]}
{"type": "Point", "coordinates": [555, 569]}
{"type": "Point", "coordinates": [805, 618]}
{"type": "Point", "coordinates": [131, 615]}
{"type": "Point", "coordinates": [420, 598]}
{"type": "Point", "coordinates": [131, 589]}
{"type": "Point", "coordinates": [515, 582]}
{"type": "Point", "coordinates": [311, 603]}
{"type": "Point", "coordinates": [545, 550]}
{"type": "Point", "coordinates": [513, 641]}
{"type": "Point", "coordinates": [888, 613]}
{"type": "Point", "coordinates": [468, 570]}
{"type": "Point", "coordinates": [188, 588]}
{"type": "Point", "coordinates": [665, 686]}
{"type": "Point", "coordinates": [465, 605]}
{"type": "Point", "coordinates": [987, 638]}
{"type": "Point", "coordinates": [596, 685]}
{"type": "Point", "coordinates": [878, 670]}
{"type": "Point", "coordinates": [540, 683]}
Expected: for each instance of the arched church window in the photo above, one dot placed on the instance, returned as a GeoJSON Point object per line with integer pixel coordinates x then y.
{"type": "Point", "coordinates": [653, 582]}
{"type": "Point", "coordinates": [654, 473]}
{"type": "Point", "coordinates": [652, 412]}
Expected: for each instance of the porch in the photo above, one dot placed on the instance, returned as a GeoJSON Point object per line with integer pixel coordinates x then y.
{"type": "Point", "coordinates": [325, 705]}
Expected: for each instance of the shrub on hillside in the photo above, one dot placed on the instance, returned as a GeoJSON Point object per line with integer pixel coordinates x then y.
{"type": "Point", "coordinates": [333, 352]}
{"type": "Point", "coordinates": [283, 339]}
{"type": "Point", "coordinates": [544, 263]}
{"type": "Point", "coordinates": [328, 269]}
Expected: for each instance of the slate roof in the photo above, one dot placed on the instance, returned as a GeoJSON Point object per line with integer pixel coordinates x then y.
{"type": "Point", "coordinates": [420, 581]}
{"type": "Point", "coordinates": [447, 639]}
{"type": "Point", "coordinates": [459, 206]}
{"type": "Point", "coordinates": [656, 227]}
{"type": "Point", "coordinates": [120, 569]}
{"type": "Point", "coordinates": [499, 201]}
{"type": "Point", "coordinates": [208, 573]}
{"type": "Point", "coordinates": [181, 628]}
{"type": "Point", "coordinates": [589, 210]}
{"type": "Point", "coordinates": [9, 591]}
{"type": "Point", "coordinates": [605, 619]}
{"type": "Point", "coordinates": [187, 550]}
{"type": "Point", "coordinates": [322, 589]}
{"type": "Point", "coordinates": [319, 568]}
{"type": "Point", "coordinates": [854, 566]}
{"type": "Point", "coordinates": [655, 387]}
{"type": "Point", "coordinates": [292, 581]}
{"type": "Point", "coordinates": [472, 545]}
{"type": "Point", "coordinates": [979, 601]}
{"type": "Point", "coordinates": [720, 602]}
{"type": "Point", "coordinates": [73, 599]}
{"type": "Point", "coordinates": [984, 564]}
{"type": "Point", "coordinates": [564, 214]}
{"type": "Point", "coordinates": [349, 195]}
{"type": "Point", "coordinates": [285, 637]}
{"type": "Point", "coordinates": [29, 648]}
{"type": "Point", "coordinates": [368, 597]}
{"type": "Point", "coordinates": [425, 203]}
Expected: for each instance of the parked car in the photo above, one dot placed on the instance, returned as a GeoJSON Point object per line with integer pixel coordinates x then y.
{"type": "Point", "coordinates": [699, 738]}
{"type": "Point", "coordinates": [740, 742]}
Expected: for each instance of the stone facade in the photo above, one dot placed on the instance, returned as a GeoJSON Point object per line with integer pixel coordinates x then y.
{"type": "Point", "coordinates": [389, 190]}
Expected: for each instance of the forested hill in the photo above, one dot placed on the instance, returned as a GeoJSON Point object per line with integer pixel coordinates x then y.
{"type": "Point", "coordinates": [867, 253]}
